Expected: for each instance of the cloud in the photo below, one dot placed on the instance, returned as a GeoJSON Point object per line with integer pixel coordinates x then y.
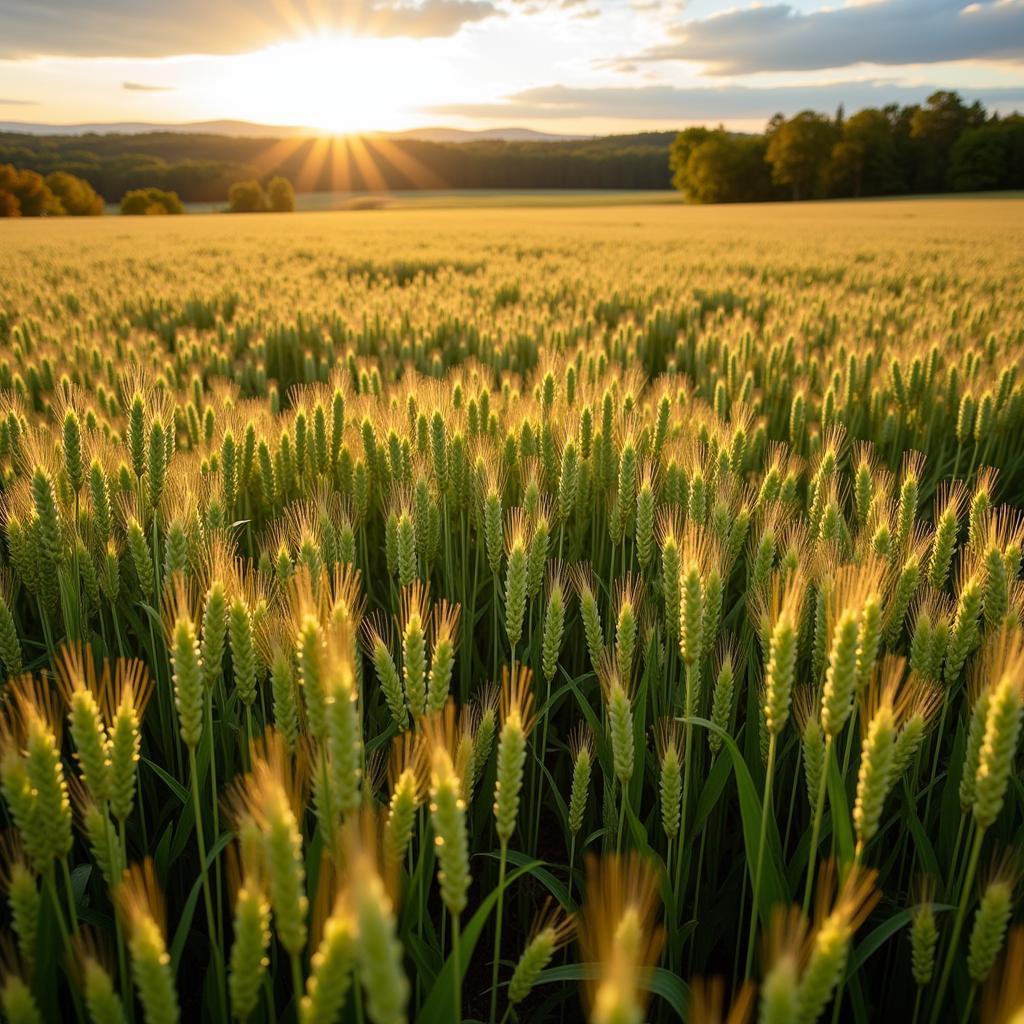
{"type": "Point", "coordinates": [430, 19]}
{"type": "Point", "coordinates": [669, 103]}
{"type": "Point", "coordinates": [155, 28]}
{"type": "Point", "coordinates": [18, 103]}
{"type": "Point", "coordinates": [778, 37]}
{"type": "Point", "coordinates": [537, 6]}
{"type": "Point", "coordinates": [142, 87]}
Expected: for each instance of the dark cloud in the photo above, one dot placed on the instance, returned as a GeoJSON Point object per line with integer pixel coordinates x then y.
{"type": "Point", "coordinates": [155, 28]}
{"type": "Point", "coordinates": [778, 37]}
{"type": "Point", "coordinates": [668, 103]}
{"type": "Point", "coordinates": [142, 87]}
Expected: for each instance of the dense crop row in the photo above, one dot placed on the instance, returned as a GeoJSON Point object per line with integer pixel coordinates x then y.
{"type": "Point", "coordinates": [437, 617]}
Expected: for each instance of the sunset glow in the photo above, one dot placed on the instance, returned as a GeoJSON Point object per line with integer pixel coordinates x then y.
{"type": "Point", "coordinates": [333, 83]}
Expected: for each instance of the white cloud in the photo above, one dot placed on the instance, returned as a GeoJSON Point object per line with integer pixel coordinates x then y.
{"type": "Point", "coordinates": [711, 103]}
{"type": "Point", "coordinates": [778, 37]}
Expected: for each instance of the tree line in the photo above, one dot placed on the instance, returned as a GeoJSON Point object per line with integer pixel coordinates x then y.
{"type": "Point", "coordinates": [939, 146]}
{"type": "Point", "coordinates": [26, 193]}
{"type": "Point", "coordinates": [202, 168]}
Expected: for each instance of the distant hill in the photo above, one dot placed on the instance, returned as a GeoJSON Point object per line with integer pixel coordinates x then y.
{"type": "Point", "coordinates": [487, 135]}
{"type": "Point", "coordinates": [249, 130]}
{"type": "Point", "coordinates": [233, 129]}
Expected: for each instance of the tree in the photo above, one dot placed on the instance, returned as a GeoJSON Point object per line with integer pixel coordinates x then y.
{"type": "Point", "coordinates": [936, 126]}
{"type": "Point", "coordinates": [679, 155]}
{"type": "Point", "coordinates": [280, 195]}
{"type": "Point", "coordinates": [798, 151]}
{"type": "Point", "coordinates": [26, 193]}
{"type": "Point", "coordinates": [150, 201]}
{"type": "Point", "coordinates": [76, 196]}
{"type": "Point", "coordinates": [864, 160]}
{"type": "Point", "coordinates": [246, 197]}
{"type": "Point", "coordinates": [9, 205]}
{"type": "Point", "coordinates": [1014, 127]}
{"type": "Point", "coordinates": [722, 168]}
{"type": "Point", "coordinates": [991, 156]}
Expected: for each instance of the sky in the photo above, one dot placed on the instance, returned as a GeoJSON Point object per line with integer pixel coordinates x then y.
{"type": "Point", "coordinates": [564, 66]}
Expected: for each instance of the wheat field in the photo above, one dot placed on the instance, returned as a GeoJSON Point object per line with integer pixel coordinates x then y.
{"type": "Point", "coordinates": [548, 614]}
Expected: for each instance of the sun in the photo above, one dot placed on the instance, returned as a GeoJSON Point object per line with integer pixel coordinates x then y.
{"type": "Point", "coordinates": [336, 84]}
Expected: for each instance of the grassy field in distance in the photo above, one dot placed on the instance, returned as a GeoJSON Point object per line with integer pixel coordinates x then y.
{"type": "Point", "coordinates": [309, 202]}
{"type": "Point", "coordinates": [321, 202]}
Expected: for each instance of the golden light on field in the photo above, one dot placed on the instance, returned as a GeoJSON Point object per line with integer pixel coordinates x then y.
{"type": "Point", "coordinates": [331, 82]}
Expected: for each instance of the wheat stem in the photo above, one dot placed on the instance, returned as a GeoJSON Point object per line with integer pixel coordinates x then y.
{"type": "Point", "coordinates": [756, 882]}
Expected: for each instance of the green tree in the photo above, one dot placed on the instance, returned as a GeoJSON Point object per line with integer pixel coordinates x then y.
{"type": "Point", "coordinates": [679, 155]}
{"type": "Point", "coordinates": [988, 157]}
{"type": "Point", "coordinates": [280, 195]}
{"type": "Point", "coordinates": [798, 151]}
{"type": "Point", "coordinates": [864, 160]}
{"type": "Point", "coordinates": [978, 159]}
{"type": "Point", "coordinates": [936, 127]}
{"type": "Point", "coordinates": [150, 201]}
{"type": "Point", "coordinates": [246, 197]}
{"type": "Point", "coordinates": [76, 196]}
{"type": "Point", "coordinates": [1014, 127]}
{"type": "Point", "coordinates": [723, 168]}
